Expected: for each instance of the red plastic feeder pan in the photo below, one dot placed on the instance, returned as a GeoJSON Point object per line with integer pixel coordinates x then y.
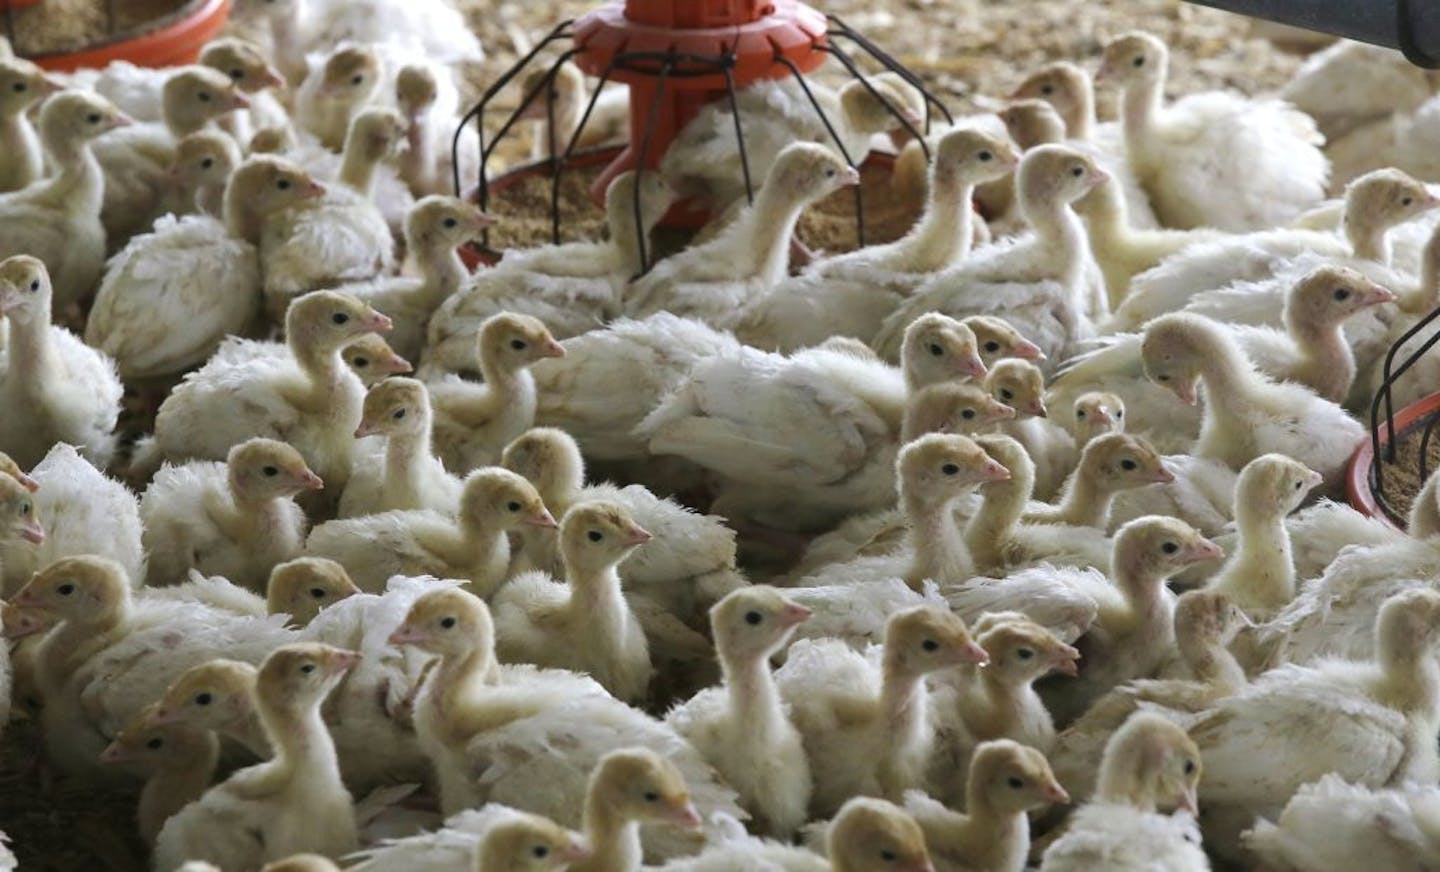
{"type": "Point", "coordinates": [171, 40]}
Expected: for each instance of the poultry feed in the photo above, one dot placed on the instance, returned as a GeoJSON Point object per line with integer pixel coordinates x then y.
{"type": "Point", "coordinates": [598, 693]}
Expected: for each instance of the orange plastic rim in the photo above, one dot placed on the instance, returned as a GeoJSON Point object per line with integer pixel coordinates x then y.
{"type": "Point", "coordinates": [1357, 477]}
{"type": "Point", "coordinates": [176, 43]}
{"type": "Point", "coordinates": [17, 4]}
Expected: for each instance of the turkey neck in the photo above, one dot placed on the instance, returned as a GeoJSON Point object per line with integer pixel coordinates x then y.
{"type": "Point", "coordinates": [992, 706]}
{"type": "Point", "coordinates": [752, 699]}
{"type": "Point", "coordinates": [1426, 296]}
{"type": "Point", "coordinates": [302, 743]}
{"type": "Point", "coordinates": [406, 455]}
{"type": "Point", "coordinates": [23, 162]}
{"type": "Point", "coordinates": [939, 549]}
{"type": "Point", "coordinates": [1230, 381]}
{"type": "Point", "coordinates": [80, 185]}
{"type": "Point", "coordinates": [1060, 234]}
{"type": "Point", "coordinates": [210, 199]}
{"type": "Point", "coordinates": [1409, 677]}
{"type": "Point", "coordinates": [1149, 609]}
{"type": "Point", "coordinates": [1119, 784]}
{"type": "Point", "coordinates": [419, 165]}
{"type": "Point", "coordinates": [1326, 362]}
{"type": "Point", "coordinates": [173, 787]}
{"type": "Point", "coordinates": [329, 387]}
{"type": "Point", "coordinates": [359, 166]}
{"type": "Point", "coordinates": [1367, 240]}
{"type": "Point", "coordinates": [247, 518]}
{"type": "Point", "coordinates": [1001, 509]}
{"type": "Point", "coordinates": [34, 364]}
{"type": "Point", "coordinates": [943, 234]}
{"type": "Point", "coordinates": [442, 272]}
{"type": "Point", "coordinates": [1086, 503]}
{"type": "Point", "coordinates": [1210, 661]}
{"type": "Point", "coordinates": [597, 606]}
{"type": "Point", "coordinates": [1262, 573]}
{"type": "Point", "coordinates": [766, 233]}
{"type": "Point", "coordinates": [70, 644]}
{"type": "Point", "coordinates": [1139, 111]}
{"type": "Point", "coordinates": [458, 686]}
{"type": "Point", "coordinates": [903, 710]}
{"type": "Point", "coordinates": [1080, 121]}
{"type": "Point", "coordinates": [614, 839]}
{"type": "Point", "coordinates": [1002, 829]}
{"type": "Point", "coordinates": [624, 240]}
{"type": "Point", "coordinates": [242, 219]}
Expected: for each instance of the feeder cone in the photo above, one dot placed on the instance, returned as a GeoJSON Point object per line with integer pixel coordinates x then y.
{"type": "Point", "coordinates": [667, 51]}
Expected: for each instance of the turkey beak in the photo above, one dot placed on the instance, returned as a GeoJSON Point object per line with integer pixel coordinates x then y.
{"type": "Point", "coordinates": [794, 615]}
{"type": "Point", "coordinates": [341, 662]}
{"type": "Point", "coordinates": [1027, 350]}
{"type": "Point", "coordinates": [994, 471]}
{"type": "Point", "coordinates": [377, 322]}
{"type": "Point", "coordinates": [18, 623]}
{"type": "Point", "coordinates": [366, 428]}
{"type": "Point", "coordinates": [159, 716]}
{"type": "Point", "coordinates": [310, 481]}
{"type": "Point", "coordinates": [1374, 295]}
{"type": "Point", "coordinates": [32, 532]}
{"type": "Point", "coordinates": [1163, 475]}
{"type": "Point", "coordinates": [1097, 177]}
{"type": "Point", "coordinates": [687, 816]}
{"type": "Point", "coordinates": [115, 753]}
{"type": "Point", "coordinates": [1187, 392]}
{"type": "Point", "coordinates": [27, 482]}
{"type": "Point", "coordinates": [551, 348]}
{"type": "Point", "coordinates": [975, 368]}
{"type": "Point", "coordinates": [237, 100]}
{"type": "Point", "coordinates": [1204, 550]}
{"type": "Point", "coordinates": [120, 119]}
{"type": "Point", "coordinates": [47, 86]}
{"type": "Point", "coordinates": [970, 652]}
{"type": "Point", "coordinates": [1067, 662]}
{"type": "Point", "coordinates": [1315, 479]}
{"type": "Point", "coordinates": [1056, 794]}
{"type": "Point", "coordinates": [1001, 412]}
{"type": "Point", "coordinates": [542, 519]}
{"type": "Point", "coordinates": [575, 852]}
{"type": "Point", "coordinates": [272, 79]}
{"type": "Point", "coordinates": [849, 177]}
{"type": "Point", "coordinates": [481, 220]}
{"type": "Point", "coordinates": [1103, 416]}
{"type": "Point", "coordinates": [394, 364]}
{"type": "Point", "coordinates": [314, 189]}
{"type": "Point", "coordinates": [636, 535]}
{"type": "Point", "coordinates": [1037, 408]}
{"type": "Point", "coordinates": [1188, 802]}
{"type": "Point", "coordinates": [407, 635]}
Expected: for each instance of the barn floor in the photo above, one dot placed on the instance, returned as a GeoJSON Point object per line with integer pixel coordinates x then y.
{"type": "Point", "coordinates": [960, 47]}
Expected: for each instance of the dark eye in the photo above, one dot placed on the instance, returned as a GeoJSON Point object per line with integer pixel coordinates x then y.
{"type": "Point", "coordinates": [968, 414]}
{"type": "Point", "coordinates": [1169, 547]}
{"type": "Point", "coordinates": [1189, 767]}
{"type": "Point", "coordinates": [930, 645]}
{"type": "Point", "coordinates": [282, 184]}
{"type": "Point", "coordinates": [203, 96]}
{"type": "Point", "coordinates": [1077, 172]}
{"type": "Point", "coordinates": [1128, 465]}
{"type": "Point", "coordinates": [447, 623]}
{"type": "Point", "coordinates": [340, 318]}
{"type": "Point", "coordinates": [204, 699]}
{"type": "Point", "coordinates": [1342, 294]}
{"type": "Point", "coordinates": [513, 506]}
{"type": "Point", "coordinates": [1006, 394]}
{"type": "Point", "coordinates": [237, 75]}
{"type": "Point", "coordinates": [1119, 415]}
{"type": "Point", "coordinates": [540, 852]}
{"type": "Point", "coordinates": [519, 344]}
{"type": "Point", "coordinates": [1406, 201]}
{"type": "Point", "coordinates": [1025, 653]}
{"type": "Point", "coordinates": [24, 508]}
{"type": "Point", "coordinates": [34, 285]}
{"type": "Point", "coordinates": [950, 469]}
{"type": "Point", "coordinates": [93, 118]}
{"type": "Point", "coordinates": [1080, 413]}
{"type": "Point", "coordinates": [65, 589]}
{"type": "Point", "coordinates": [985, 156]}
{"type": "Point", "coordinates": [449, 222]}
{"type": "Point", "coordinates": [19, 87]}
{"type": "Point", "coordinates": [317, 592]}
{"type": "Point", "coordinates": [398, 414]}
{"type": "Point", "coordinates": [270, 471]}
{"type": "Point", "coordinates": [936, 350]}
{"type": "Point", "coordinates": [1138, 62]}
{"type": "Point", "coordinates": [1015, 782]}
{"type": "Point", "coordinates": [360, 362]}
{"type": "Point", "coordinates": [753, 617]}
{"type": "Point", "coordinates": [207, 163]}
{"type": "Point", "coordinates": [357, 79]}
{"type": "Point", "coordinates": [1299, 485]}
{"type": "Point", "coordinates": [888, 855]}
{"type": "Point", "coordinates": [594, 535]}
{"type": "Point", "coordinates": [1047, 90]}
{"type": "Point", "coordinates": [651, 796]}
{"type": "Point", "coordinates": [1162, 377]}
{"type": "Point", "coordinates": [992, 346]}
{"type": "Point", "coordinates": [307, 668]}
{"type": "Point", "coordinates": [830, 173]}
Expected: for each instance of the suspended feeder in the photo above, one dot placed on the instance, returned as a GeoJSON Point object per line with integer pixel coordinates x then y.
{"type": "Point", "coordinates": [676, 56]}
{"type": "Point", "coordinates": [172, 38]}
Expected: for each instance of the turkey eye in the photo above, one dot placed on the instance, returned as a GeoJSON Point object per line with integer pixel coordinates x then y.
{"type": "Point", "coordinates": [985, 156]}
{"type": "Point", "coordinates": [237, 75]}
{"type": "Point", "coordinates": [1128, 465]}
{"type": "Point", "coordinates": [1119, 415]}
{"type": "Point", "coordinates": [93, 118]}
{"type": "Point", "coordinates": [358, 80]}
{"type": "Point", "coordinates": [1138, 62]}
{"type": "Point", "coordinates": [651, 796]}
{"type": "Point", "coordinates": [540, 852]}
{"type": "Point", "coordinates": [936, 350]}
{"type": "Point", "coordinates": [1162, 377]}
{"type": "Point", "coordinates": [1080, 413]}
{"type": "Point", "coordinates": [283, 184]}
{"type": "Point", "coordinates": [1189, 767]}
{"type": "Point", "coordinates": [930, 645]}
{"type": "Point", "coordinates": [1025, 653]}
{"type": "Point", "coordinates": [1047, 90]}
{"type": "Point", "coordinates": [1169, 547]}
{"type": "Point", "coordinates": [1342, 294]}
{"type": "Point", "coordinates": [513, 506]}
{"type": "Point", "coordinates": [992, 346]}
{"type": "Point", "coordinates": [65, 589]}
{"type": "Point", "coordinates": [1006, 394]}
{"type": "Point", "coordinates": [968, 414]}
{"type": "Point", "coordinates": [399, 414]}
{"type": "Point", "coordinates": [34, 285]}
{"type": "Point", "coordinates": [518, 344]}
{"type": "Point", "coordinates": [447, 623]}
{"type": "Point", "coordinates": [270, 471]}
{"type": "Point", "coordinates": [19, 87]}
{"type": "Point", "coordinates": [317, 592]}
{"type": "Point", "coordinates": [1015, 782]}
{"type": "Point", "coordinates": [594, 536]}
{"type": "Point", "coordinates": [1406, 201]}
{"type": "Point", "coordinates": [207, 163]}
{"type": "Point", "coordinates": [888, 856]}
{"type": "Point", "coordinates": [1077, 172]}
{"type": "Point", "coordinates": [307, 668]}
{"type": "Point", "coordinates": [24, 508]}
{"type": "Point", "coordinates": [155, 744]}
{"type": "Point", "coordinates": [830, 173]}
{"type": "Point", "coordinates": [360, 362]}
{"type": "Point", "coordinates": [203, 97]}
{"type": "Point", "coordinates": [753, 617]}
{"type": "Point", "coordinates": [1298, 485]}
{"type": "Point", "coordinates": [340, 318]}
{"type": "Point", "coordinates": [950, 469]}
{"type": "Point", "coordinates": [204, 699]}
{"type": "Point", "coordinates": [450, 222]}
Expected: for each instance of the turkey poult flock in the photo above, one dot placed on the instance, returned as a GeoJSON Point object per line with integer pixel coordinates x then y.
{"type": "Point", "coordinates": [982, 464]}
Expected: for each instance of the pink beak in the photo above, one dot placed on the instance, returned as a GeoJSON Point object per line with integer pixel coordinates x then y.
{"type": "Point", "coordinates": [794, 615]}
{"type": "Point", "coordinates": [272, 79]}
{"type": "Point", "coordinates": [378, 323]}
{"type": "Point", "coordinates": [1098, 177]}
{"type": "Point", "coordinates": [1000, 412]}
{"type": "Point", "coordinates": [688, 817]}
{"type": "Point", "coordinates": [1163, 475]}
{"type": "Point", "coordinates": [975, 368]}
{"type": "Point", "coordinates": [1038, 409]}
{"type": "Point", "coordinates": [114, 753]}
{"type": "Point", "coordinates": [48, 86]}
{"type": "Point", "coordinates": [32, 532]}
{"type": "Point", "coordinates": [542, 519]}
{"type": "Point", "coordinates": [407, 636]}
{"type": "Point", "coordinates": [973, 653]}
{"type": "Point", "coordinates": [314, 189]}
{"type": "Point", "coordinates": [994, 471]}
{"type": "Point", "coordinates": [636, 535]}
{"type": "Point", "coordinates": [27, 482]}
{"type": "Point", "coordinates": [849, 177]}
{"type": "Point", "coordinates": [551, 348]}
{"type": "Point", "coordinates": [364, 430]}
{"type": "Point", "coordinates": [395, 364]}
{"type": "Point", "coordinates": [343, 661]}
{"type": "Point", "coordinates": [1205, 550]}
{"type": "Point", "coordinates": [1375, 295]}
{"type": "Point", "coordinates": [311, 481]}
{"type": "Point", "coordinates": [575, 852]}
{"type": "Point", "coordinates": [19, 623]}
{"type": "Point", "coordinates": [1027, 350]}
{"type": "Point", "coordinates": [1056, 794]}
{"type": "Point", "coordinates": [1067, 662]}
{"type": "Point", "coordinates": [238, 100]}
{"type": "Point", "coordinates": [159, 717]}
{"type": "Point", "coordinates": [480, 220]}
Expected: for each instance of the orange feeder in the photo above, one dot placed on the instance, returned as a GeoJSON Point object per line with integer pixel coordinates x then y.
{"type": "Point", "coordinates": [678, 55]}
{"type": "Point", "coordinates": [176, 40]}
